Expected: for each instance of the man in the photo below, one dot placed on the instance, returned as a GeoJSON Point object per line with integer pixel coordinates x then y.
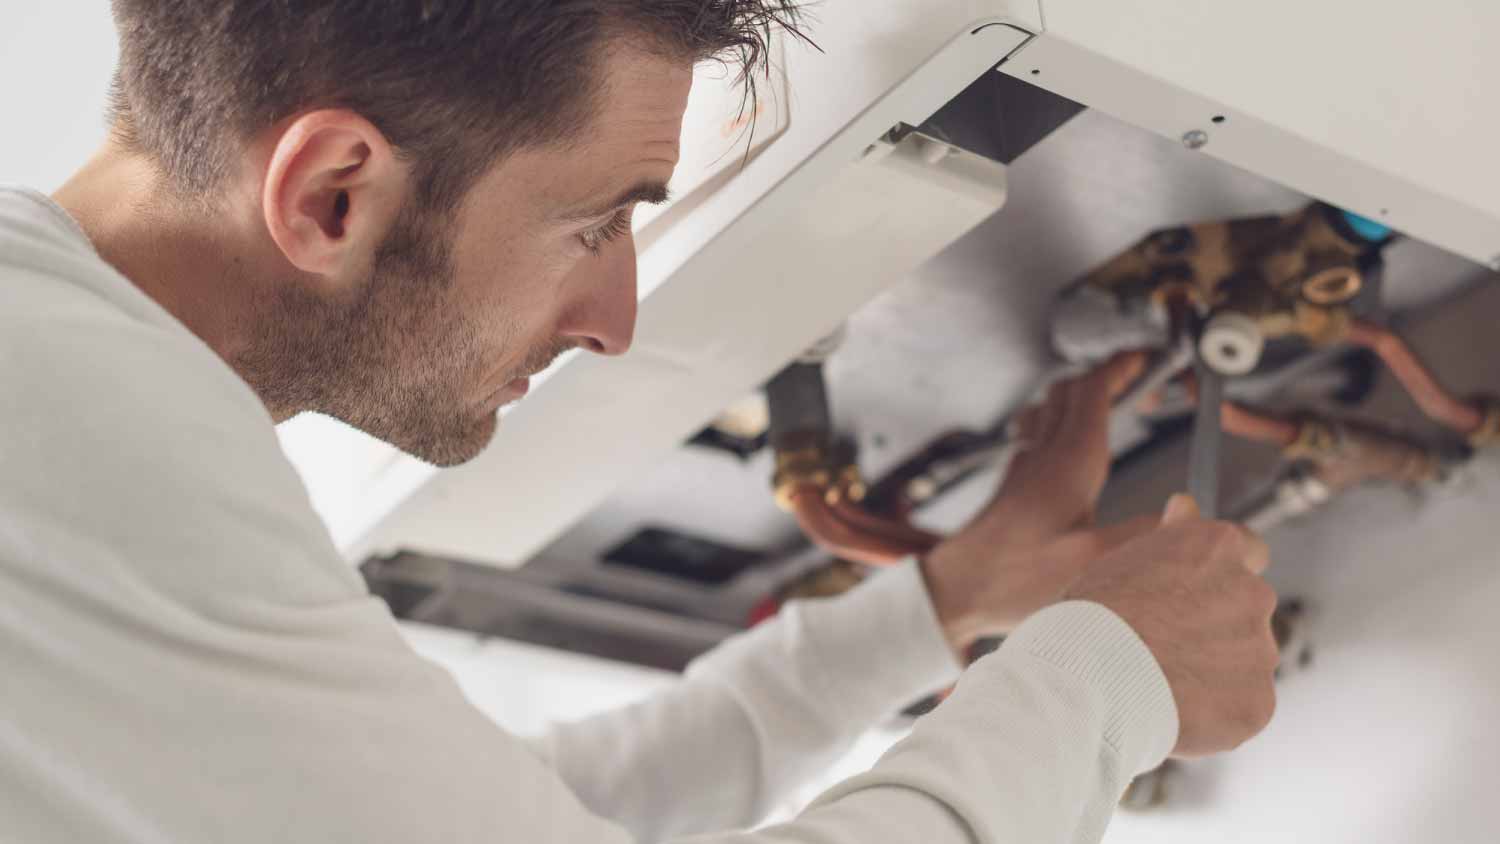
{"type": "Point", "coordinates": [394, 213]}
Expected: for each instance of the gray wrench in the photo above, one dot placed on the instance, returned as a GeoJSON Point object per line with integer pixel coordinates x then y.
{"type": "Point", "coordinates": [1203, 458]}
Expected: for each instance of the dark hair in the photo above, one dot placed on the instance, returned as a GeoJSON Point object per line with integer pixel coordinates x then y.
{"type": "Point", "coordinates": [453, 84]}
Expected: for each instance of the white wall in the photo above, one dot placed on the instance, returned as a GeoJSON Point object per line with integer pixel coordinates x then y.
{"type": "Point", "coordinates": [55, 61]}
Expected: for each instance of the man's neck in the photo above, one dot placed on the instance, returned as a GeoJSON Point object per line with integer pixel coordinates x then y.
{"type": "Point", "coordinates": [186, 260]}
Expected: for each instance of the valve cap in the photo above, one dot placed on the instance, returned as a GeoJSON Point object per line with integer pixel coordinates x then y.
{"type": "Point", "coordinates": [1231, 344]}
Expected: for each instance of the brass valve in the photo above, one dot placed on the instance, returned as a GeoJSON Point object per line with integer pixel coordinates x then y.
{"type": "Point", "coordinates": [1321, 325]}
{"type": "Point", "coordinates": [1347, 453]}
{"type": "Point", "coordinates": [848, 485]}
{"type": "Point", "coordinates": [799, 468]}
{"type": "Point", "coordinates": [1316, 440]}
{"type": "Point", "coordinates": [813, 468]}
{"type": "Point", "coordinates": [1261, 277]}
{"type": "Point", "coordinates": [1488, 432]}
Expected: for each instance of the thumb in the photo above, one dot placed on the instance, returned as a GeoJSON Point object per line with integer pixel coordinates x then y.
{"type": "Point", "coordinates": [1180, 508]}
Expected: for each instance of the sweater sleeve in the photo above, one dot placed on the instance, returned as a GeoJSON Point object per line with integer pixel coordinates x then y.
{"type": "Point", "coordinates": [1036, 744]}
{"type": "Point", "coordinates": [1038, 741]}
{"type": "Point", "coordinates": [760, 716]}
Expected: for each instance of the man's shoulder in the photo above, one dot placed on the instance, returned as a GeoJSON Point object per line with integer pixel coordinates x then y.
{"type": "Point", "coordinates": [83, 351]}
{"type": "Point", "coordinates": [28, 217]}
{"type": "Point", "coordinates": [48, 267]}
{"type": "Point", "coordinates": [66, 313]}
{"type": "Point", "coordinates": [40, 245]}
{"type": "Point", "coordinates": [119, 423]}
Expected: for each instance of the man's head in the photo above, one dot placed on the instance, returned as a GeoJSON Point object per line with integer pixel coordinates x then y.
{"type": "Point", "coordinates": [432, 197]}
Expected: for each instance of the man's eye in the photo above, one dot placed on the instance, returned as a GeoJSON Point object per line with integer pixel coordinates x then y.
{"type": "Point", "coordinates": [617, 227]}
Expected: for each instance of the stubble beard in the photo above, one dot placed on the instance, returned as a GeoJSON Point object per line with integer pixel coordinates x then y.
{"type": "Point", "coordinates": [396, 359]}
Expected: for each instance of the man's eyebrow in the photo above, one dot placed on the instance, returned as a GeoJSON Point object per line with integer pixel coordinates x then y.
{"type": "Point", "coordinates": [651, 193]}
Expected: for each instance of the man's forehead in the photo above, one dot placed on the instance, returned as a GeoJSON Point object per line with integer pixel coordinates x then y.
{"type": "Point", "coordinates": [632, 141]}
{"type": "Point", "coordinates": [630, 148]}
{"type": "Point", "coordinates": [640, 107]}
{"type": "Point", "coordinates": [644, 84]}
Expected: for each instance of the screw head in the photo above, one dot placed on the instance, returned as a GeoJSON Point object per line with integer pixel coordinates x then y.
{"type": "Point", "coordinates": [1195, 139]}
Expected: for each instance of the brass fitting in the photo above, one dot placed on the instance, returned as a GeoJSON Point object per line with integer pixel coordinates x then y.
{"type": "Point", "coordinates": [1347, 454]}
{"type": "Point", "coordinates": [1165, 294]}
{"type": "Point", "coordinates": [1488, 432]}
{"type": "Point", "coordinates": [1332, 285]}
{"type": "Point", "coordinates": [1316, 441]}
{"type": "Point", "coordinates": [1320, 325]}
{"type": "Point", "coordinates": [797, 468]}
{"type": "Point", "coordinates": [848, 485]}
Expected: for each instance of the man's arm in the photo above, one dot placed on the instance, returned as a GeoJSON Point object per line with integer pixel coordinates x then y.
{"type": "Point", "coordinates": [774, 708]}
{"type": "Point", "coordinates": [1036, 744]}
{"type": "Point", "coordinates": [760, 716]}
{"type": "Point", "coordinates": [1039, 739]}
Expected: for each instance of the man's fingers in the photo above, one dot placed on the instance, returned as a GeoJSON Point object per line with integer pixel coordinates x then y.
{"type": "Point", "coordinates": [1077, 408]}
{"type": "Point", "coordinates": [1050, 412]}
{"type": "Point", "coordinates": [1258, 553]}
{"type": "Point", "coordinates": [1091, 395]}
{"type": "Point", "coordinates": [1026, 426]}
{"type": "Point", "coordinates": [1121, 371]}
{"type": "Point", "coordinates": [1253, 551]}
{"type": "Point", "coordinates": [1180, 508]}
{"type": "Point", "coordinates": [1086, 409]}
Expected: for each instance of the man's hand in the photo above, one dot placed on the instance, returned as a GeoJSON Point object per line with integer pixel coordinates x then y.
{"type": "Point", "coordinates": [1052, 485]}
{"type": "Point", "coordinates": [1035, 537]}
{"type": "Point", "coordinates": [976, 595]}
{"type": "Point", "coordinates": [1192, 591]}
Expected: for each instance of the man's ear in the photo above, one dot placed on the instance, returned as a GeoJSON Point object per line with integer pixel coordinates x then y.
{"type": "Point", "coordinates": [333, 188]}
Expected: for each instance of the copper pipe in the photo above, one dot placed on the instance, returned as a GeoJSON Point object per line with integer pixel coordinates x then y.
{"type": "Point", "coordinates": [1345, 454]}
{"type": "Point", "coordinates": [1429, 395]}
{"type": "Point", "coordinates": [831, 533]}
{"type": "Point", "coordinates": [898, 531]}
{"type": "Point", "coordinates": [1246, 423]}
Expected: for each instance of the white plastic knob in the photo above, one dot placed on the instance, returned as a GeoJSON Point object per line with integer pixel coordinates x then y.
{"type": "Point", "coordinates": [1231, 344]}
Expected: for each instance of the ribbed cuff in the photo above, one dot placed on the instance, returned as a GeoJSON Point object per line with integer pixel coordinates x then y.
{"type": "Point", "coordinates": [1090, 642]}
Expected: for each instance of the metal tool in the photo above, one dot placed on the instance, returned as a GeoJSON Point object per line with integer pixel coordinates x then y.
{"type": "Point", "coordinates": [1166, 366]}
{"type": "Point", "coordinates": [1203, 459]}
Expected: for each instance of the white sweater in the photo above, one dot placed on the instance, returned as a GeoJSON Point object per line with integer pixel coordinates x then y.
{"type": "Point", "coordinates": [184, 657]}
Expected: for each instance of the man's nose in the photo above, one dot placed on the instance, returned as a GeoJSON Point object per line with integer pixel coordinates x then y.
{"type": "Point", "coordinates": [602, 315]}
